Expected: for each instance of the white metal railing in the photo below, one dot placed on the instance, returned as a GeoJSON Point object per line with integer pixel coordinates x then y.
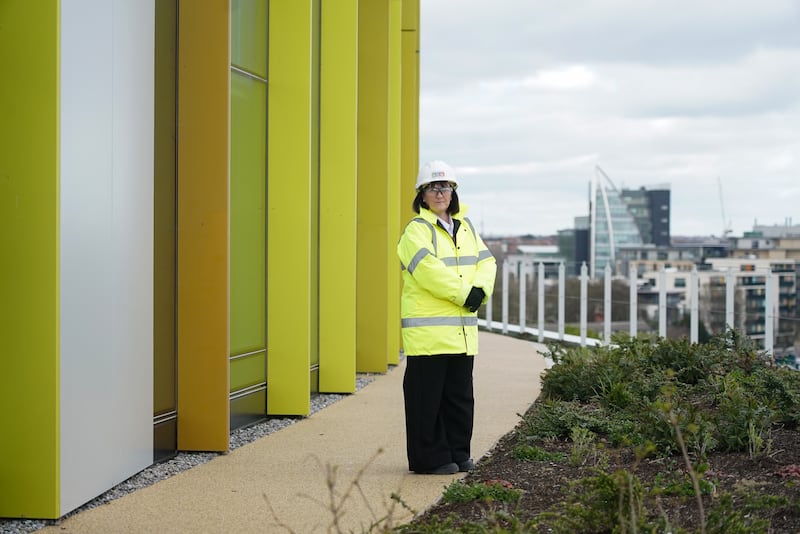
{"type": "Point", "coordinates": [770, 312]}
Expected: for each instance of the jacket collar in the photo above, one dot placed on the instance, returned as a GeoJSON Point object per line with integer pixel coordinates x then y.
{"type": "Point", "coordinates": [431, 217]}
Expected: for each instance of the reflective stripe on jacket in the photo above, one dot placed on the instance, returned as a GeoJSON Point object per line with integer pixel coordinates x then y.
{"type": "Point", "coordinates": [438, 274]}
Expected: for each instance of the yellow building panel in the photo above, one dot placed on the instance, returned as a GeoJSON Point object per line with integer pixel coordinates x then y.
{"type": "Point", "coordinates": [411, 15]}
{"type": "Point", "coordinates": [338, 171]}
{"type": "Point", "coordinates": [29, 217]}
{"type": "Point", "coordinates": [393, 186]}
{"type": "Point", "coordinates": [373, 171]}
{"type": "Point", "coordinates": [289, 203]}
{"type": "Point", "coordinates": [203, 224]}
{"type": "Point", "coordinates": [409, 150]}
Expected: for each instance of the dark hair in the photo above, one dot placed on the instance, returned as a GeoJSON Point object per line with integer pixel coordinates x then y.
{"type": "Point", "coordinates": [454, 206]}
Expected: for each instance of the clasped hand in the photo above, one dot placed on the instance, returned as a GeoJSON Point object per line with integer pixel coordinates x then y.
{"type": "Point", "coordinates": [474, 299]}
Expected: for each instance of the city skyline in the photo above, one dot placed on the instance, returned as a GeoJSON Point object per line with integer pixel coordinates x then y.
{"type": "Point", "coordinates": [524, 99]}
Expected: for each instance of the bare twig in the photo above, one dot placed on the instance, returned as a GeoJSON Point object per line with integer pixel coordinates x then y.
{"type": "Point", "coordinates": [336, 501]}
{"type": "Point", "coordinates": [692, 473]}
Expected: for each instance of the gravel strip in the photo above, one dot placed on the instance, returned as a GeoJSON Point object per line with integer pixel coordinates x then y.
{"type": "Point", "coordinates": [182, 462]}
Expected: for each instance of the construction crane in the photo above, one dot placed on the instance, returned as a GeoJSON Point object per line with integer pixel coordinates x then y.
{"type": "Point", "coordinates": [726, 224]}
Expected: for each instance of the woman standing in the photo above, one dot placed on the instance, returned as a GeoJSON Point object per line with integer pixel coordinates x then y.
{"type": "Point", "coordinates": [447, 274]}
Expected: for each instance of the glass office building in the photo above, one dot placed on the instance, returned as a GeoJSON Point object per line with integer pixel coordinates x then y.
{"type": "Point", "coordinates": [611, 224]}
{"type": "Point", "coordinates": [650, 207]}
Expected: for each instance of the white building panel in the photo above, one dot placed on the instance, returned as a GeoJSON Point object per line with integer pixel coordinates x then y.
{"type": "Point", "coordinates": [106, 245]}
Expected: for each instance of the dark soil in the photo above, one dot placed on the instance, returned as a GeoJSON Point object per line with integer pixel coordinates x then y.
{"type": "Point", "coordinates": [545, 484]}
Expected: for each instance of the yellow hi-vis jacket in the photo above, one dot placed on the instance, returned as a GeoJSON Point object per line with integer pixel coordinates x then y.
{"type": "Point", "coordinates": [438, 274]}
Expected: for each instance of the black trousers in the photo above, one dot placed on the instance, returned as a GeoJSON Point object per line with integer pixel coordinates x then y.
{"type": "Point", "coordinates": [440, 409]}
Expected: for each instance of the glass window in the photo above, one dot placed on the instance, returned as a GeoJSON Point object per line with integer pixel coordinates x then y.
{"type": "Point", "coordinates": [248, 213]}
{"type": "Point", "coordinates": [249, 36]}
{"type": "Point", "coordinates": [248, 236]}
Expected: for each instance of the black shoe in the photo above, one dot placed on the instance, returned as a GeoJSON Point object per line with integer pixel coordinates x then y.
{"type": "Point", "coordinates": [466, 465]}
{"type": "Point", "coordinates": [446, 469]}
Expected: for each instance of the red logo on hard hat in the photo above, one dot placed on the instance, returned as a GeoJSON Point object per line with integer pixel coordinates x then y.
{"type": "Point", "coordinates": [437, 174]}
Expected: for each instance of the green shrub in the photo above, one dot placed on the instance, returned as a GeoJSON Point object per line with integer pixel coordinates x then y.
{"type": "Point", "coordinates": [552, 419]}
{"type": "Point", "coordinates": [604, 502]}
{"type": "Point", "coordinates": [782, 387]}
{"type": "Point", "coordinates": [583, 445]}
{"type": "Point", "coordinates": [493, 522]}
{"type": "Point", "coordinates": [619, 374]}
{"type": "Point", "coordinates": [679, 483]}
{"type": "Point", "coordinates": [557, 419]}
{"type": "Point", "coordinates": [725, 394]}
{"type": "Point", "coordinates": [576, 331]}
{"type": "Point", "coordinates": [739, 513]}
{"type": "Point", "coordinates": [662, 397]}
{"type": "Point", "coordinates": [492, 490]}
{"type": "Point", "coordinates": [742, 416]}
{"type": "Point", "coordinates": [573, 375]}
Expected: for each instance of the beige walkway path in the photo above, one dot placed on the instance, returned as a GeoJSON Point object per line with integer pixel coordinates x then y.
{"type": "Point", "coordinates": [278, 483]}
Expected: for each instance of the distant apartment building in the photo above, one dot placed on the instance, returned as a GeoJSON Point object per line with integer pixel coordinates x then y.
{"type": "Point", "coordinates": [684, 254]}
{"type": "Point", "coordinates": [532, 248]}
{"type": "Point", "coordinates": [770, 242]}
{"type": "Point", "coordinates": [550, 256]}
{"type": "Point", "coordinates": [673, 268]}
{"type": "Point", "coordinates": [779, 244]}
{"type": "Point", "coordinates": [749, 260]}
{"type": "Point", "coordinates": [650, 258]}
{"type": "Point", "coordinates": [750, 308]}
{"type": "Point", "coordinates": [676, 262]}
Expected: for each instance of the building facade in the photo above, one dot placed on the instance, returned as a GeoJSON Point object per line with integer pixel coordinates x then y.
{"type": "Point", "coordinates": [650, 209]}
{"type": "Point", "coordinates": [752, 286]}
{"type": "Point", "coordinates": [778, 244]}
{"type": "Point", "coordinates": [198, 206]}
{"type": "Point", "coordinates": [611, 225]}
{"type": "Point", "coordinates": [623, 218]}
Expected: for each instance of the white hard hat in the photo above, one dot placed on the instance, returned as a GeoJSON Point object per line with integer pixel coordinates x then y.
{"type": "Point", "coordinates": [436, 171]}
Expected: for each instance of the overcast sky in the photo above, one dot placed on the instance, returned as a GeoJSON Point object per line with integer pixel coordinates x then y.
{"type": "Point", "coordinates": [525, 97]}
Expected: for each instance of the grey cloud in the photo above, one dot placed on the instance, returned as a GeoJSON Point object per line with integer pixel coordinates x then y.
{"type": "Point", "coordinates": [528, 96]}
